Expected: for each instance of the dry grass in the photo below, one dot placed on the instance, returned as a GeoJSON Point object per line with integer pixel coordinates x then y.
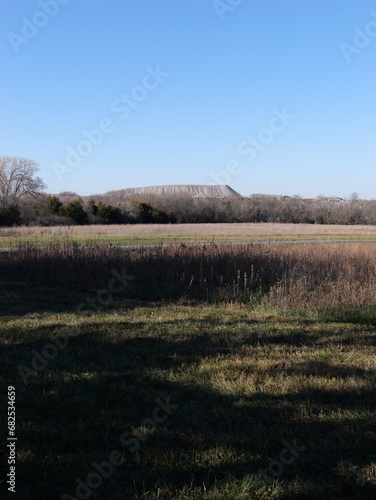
{"type": "Point", "coordinates": [243, 230]}
{"type": "Point", "coordinates": [331, 276]}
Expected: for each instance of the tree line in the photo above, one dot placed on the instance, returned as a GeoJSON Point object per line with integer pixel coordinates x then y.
{"type": "Point", "coordinates": [23, 202]}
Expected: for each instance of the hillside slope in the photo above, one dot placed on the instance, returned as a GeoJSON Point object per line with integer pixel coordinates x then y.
{"type": "Point", "coordinates": [196, 191]}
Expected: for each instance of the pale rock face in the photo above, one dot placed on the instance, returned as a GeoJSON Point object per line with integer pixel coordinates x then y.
{"type": "Point", "coordinates": [196, 191]}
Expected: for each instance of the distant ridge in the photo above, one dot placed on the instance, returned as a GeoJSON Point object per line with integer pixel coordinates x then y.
{"type": "Point", "coordinates": [196, 191]}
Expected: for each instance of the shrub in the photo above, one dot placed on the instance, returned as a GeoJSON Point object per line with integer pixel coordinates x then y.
{"type": "Point", "coordinates": [319, 219]}
{"type": "Point", "coordinates": [108, 213]}
{"type": "Point", "coordinates": [52, 205]}
{"type": "Point", "coordinates": [10, 216]}
{"type": "Point", "coordinates": [75, 211]}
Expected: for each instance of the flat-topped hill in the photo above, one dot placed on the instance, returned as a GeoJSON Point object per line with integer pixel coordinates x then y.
{"type": "Point", "coordinates": [197, 191]}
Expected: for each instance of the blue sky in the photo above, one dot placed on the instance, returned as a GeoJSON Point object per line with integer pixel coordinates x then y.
{"type": "Point", "coordinates": [224, 70]}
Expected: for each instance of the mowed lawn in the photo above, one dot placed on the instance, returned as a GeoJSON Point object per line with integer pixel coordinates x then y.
{"type": "Point", "coordinates": [146, 400]}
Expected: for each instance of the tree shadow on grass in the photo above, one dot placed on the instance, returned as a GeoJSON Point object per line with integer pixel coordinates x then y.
{"type": "Point", "coordinates": [98, 388]}
{"type": "Point", "coordinates": [19, 299]}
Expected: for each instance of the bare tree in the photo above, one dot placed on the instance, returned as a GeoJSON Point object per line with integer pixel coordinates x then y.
{"type": "Point", "coordinates": [17, 179]}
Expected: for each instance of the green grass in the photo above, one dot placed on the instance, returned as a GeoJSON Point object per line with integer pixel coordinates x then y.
{"type": "Point", "coordinates": [246, 380]}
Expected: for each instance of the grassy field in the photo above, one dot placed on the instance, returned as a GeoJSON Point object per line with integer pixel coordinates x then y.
{"type": "Point", "coordinates": [241, 372]}
{"type": "Point", "coordinates": [141, 234]}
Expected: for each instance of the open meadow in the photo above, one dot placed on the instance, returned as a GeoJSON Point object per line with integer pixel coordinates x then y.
{"type": "Point", "coordinates": [145, 234]}
{"type": "Point", "coordinates": [203, 372]}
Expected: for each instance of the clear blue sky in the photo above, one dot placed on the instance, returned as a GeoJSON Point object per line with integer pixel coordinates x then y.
{"type": "Point", "coordinates": [230, 68]}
